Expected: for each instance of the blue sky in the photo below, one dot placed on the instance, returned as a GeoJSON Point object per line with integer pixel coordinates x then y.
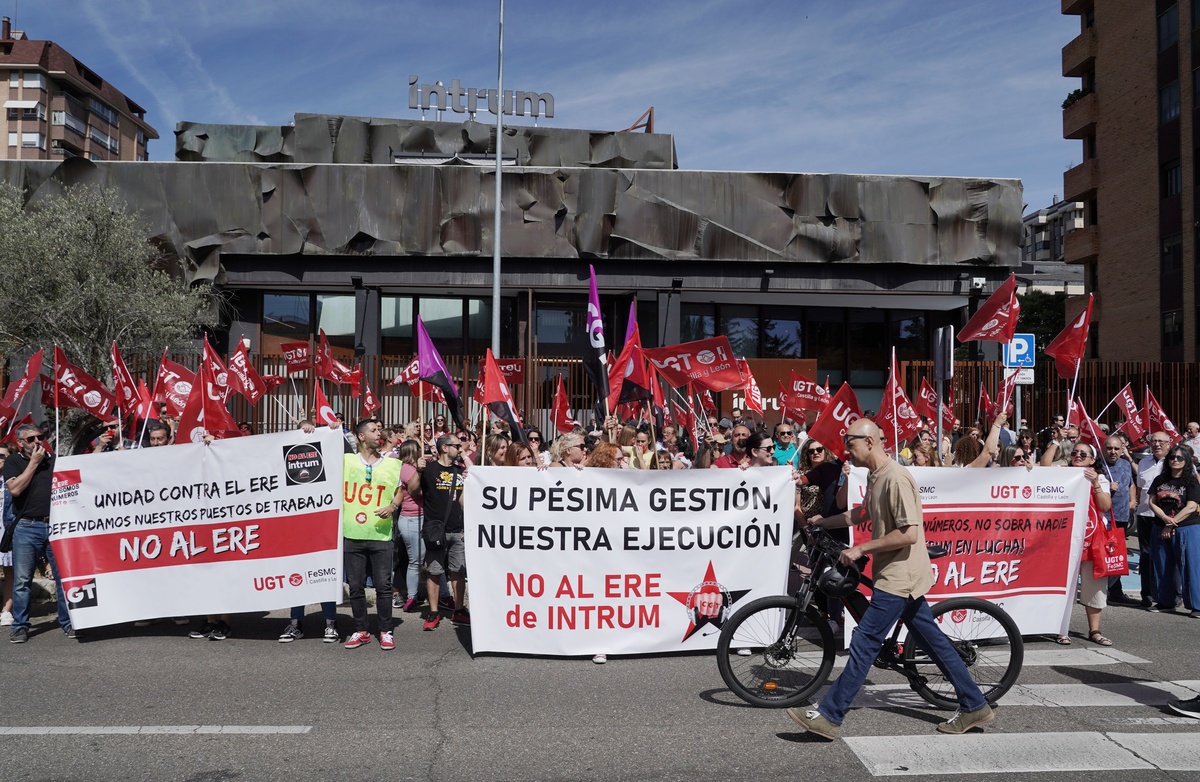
{"type": "Point", "coordinates": [923, 87]}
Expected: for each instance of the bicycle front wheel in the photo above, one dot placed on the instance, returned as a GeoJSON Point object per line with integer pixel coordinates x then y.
{"type": "Point", "coordinates": [987, 640]}
{"type": "Point", "coordinates": [772, 655]}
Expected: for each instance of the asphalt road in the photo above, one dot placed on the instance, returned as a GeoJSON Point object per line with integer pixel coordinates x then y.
{"type": "Point", "coordinates": [250, 708]}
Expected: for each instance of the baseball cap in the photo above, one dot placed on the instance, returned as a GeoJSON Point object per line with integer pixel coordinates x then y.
{"type": "Point", "coordinates": [725, 423]}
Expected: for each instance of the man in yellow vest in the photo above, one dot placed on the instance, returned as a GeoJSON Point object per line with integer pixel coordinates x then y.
{"type": "Point", "coordinates": [369, 499]}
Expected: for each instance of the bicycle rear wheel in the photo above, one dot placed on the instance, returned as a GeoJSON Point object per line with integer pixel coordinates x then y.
{"type": "Point", "coordinates": [772, 655]}
{"type": "Point", "coordinates": [987, 640]}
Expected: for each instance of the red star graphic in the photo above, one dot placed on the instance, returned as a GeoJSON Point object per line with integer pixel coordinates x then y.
{"type": "Point", "coordinates": [710, 576]}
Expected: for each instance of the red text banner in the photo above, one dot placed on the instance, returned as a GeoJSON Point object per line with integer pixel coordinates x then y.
{"type": "Point", "coordinates": [565, 562]}
{"type": "Point", "coordinates": [1013, 536]}
{"type": "Point", "coordinates": [247, 524]}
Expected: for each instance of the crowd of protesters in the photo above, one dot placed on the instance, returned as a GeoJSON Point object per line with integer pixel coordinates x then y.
{"type": "Point", "coordinates": [1153, 498]}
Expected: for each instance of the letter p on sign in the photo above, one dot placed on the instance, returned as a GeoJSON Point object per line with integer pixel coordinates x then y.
{"type": "Point", "coordinates": [1019, 352]}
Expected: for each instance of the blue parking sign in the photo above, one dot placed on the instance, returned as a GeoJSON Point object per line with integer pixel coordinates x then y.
{"type": "Point", "coordinates": [1019, 352]}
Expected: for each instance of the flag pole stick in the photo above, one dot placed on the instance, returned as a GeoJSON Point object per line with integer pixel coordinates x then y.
{"type": "Point", "coordinates": [153, 394]}
{"type": "Point", "coordinates": [1071, 397]}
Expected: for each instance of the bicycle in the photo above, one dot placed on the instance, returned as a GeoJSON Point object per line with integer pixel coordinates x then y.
{"type": "Point", "coordinates": [777, 651]}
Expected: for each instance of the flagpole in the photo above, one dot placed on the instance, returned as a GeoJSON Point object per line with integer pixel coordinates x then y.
{"type": "Point", "coordinates": [1074, 383]}
{"type": "Point", "coordinates": [496, 224]}
{"type": "Point", "coordinates": [153, 394]}
{"type": "Point", "coordinates": [286, 412]}
{"type": "Point", "coordinates": [895, 411]}
{"type": "Point", "coordinates": [421, 411]}
{"type": "Point", "coordinates": [56, 449]}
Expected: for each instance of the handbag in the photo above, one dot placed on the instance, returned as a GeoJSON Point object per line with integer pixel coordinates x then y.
{"type": "Point", "coordinates": [1110, 557]}
{"type": "Point", "coordinates": [6, 542]}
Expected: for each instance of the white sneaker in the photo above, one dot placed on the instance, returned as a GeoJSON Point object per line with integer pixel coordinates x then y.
{"type": "Point", "coordinates": [600, 659]}
{"type": "Point", "coordinates": [744, 652]}
{"type": "Point", "coordinates": [6, 618]}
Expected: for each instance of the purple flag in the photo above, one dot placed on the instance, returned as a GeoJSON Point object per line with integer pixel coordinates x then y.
{"type": "Point", "coordinates": [433, 371]}
{"type": "Point", "coordinates": [594, 350]}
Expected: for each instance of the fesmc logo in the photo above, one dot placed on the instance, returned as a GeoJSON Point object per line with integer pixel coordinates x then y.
{"type": "Point", "coordinates": [303, 463]}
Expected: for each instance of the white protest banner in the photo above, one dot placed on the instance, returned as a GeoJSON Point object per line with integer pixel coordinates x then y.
{"type": "Point", "coordinates": [570, 562]}
{"type": "Point", "coordinates": [246, 524]}
{"type": "Point", "coordinates": [1014, 536]}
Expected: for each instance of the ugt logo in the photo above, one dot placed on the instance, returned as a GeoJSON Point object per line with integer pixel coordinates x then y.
{"type": "Point", "coordinates": [82, 596]}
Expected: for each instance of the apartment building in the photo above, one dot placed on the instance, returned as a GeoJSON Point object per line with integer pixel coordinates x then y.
{"type": "Point", "coordinates": [55, 107]}
{"type": "Point", "coordinates": [1133, 112]}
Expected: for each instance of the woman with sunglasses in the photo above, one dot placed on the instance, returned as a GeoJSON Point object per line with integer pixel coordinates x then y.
{"type": "Point", "coordinates": [1014, 456]}
{"type": "Point", "coordinates": [1093, 592]}
{"type": "Point", "coordinates": [1175, 544]}
{"type": "Point", "coordinates": [537, 445]}
{"type": "Point", "coordinates": [568, 451]}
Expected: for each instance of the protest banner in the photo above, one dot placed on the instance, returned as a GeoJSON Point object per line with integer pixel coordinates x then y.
{"type": "Point", "coordinates": [1014, 536]}
{"type": "Point", "coordinates": [247, 524]}
{"type": "Point", "coordinates": [565, 562]}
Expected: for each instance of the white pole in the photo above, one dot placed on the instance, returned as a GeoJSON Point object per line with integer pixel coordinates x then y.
{"type": "Point", "coordinates": [496, 221]}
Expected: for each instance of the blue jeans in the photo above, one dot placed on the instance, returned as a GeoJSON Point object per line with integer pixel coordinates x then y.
{"type": "Point", "coordinates": [1185, 551]}
{"type": "Point", "coordinates": [409, 530]}
{"type": "Point", "coordinates": [328, 610]}
{"type": "Point", "coordinates": [31, 539]}
{"type": "Point", "coordinates": [1167, 562]}
{"type": "Point", "coordinates": [883, 613]}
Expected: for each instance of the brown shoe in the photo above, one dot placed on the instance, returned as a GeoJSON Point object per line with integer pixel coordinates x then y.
{"type": "Point", "coordinates": [963, 721]}
{"type": "Point", "coordinates": [812, 721]}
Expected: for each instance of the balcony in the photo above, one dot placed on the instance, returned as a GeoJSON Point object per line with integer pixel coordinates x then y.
{"type": "Point", "coordinates": [1079, 119]}
{"type": "Point", "coordinates": [1079, 56]}
{"type": "Point", "coordinates": [1082, 245]}
{"type": "Point", "coordinates": [1079, 182]}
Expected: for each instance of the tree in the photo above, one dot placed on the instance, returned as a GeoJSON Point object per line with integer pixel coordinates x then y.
{"type": "Point", "coordinates": [79, 272]}
{"type": "Point", "coordinates": [1043, 315]}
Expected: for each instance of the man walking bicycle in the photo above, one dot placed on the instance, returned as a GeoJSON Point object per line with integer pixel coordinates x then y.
{"type": "Point", "coordinates": [902, 576]}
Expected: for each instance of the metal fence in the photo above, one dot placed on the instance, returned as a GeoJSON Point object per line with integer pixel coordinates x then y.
{"type": "Point", "coordinates": [1175, 385]}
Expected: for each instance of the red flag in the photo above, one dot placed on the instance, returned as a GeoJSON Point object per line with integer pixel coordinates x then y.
{"type": "Point", "coordinates": [220, 373]}
{"type": "Point", "coordinates": [328, 367]}
{"type": "Point", "coordinates": [1135, 427]}
{"type": "Point", "coordinates": [1129, 409]}
{"type": "Point", "coordinates": [497, 398]}
{"type": "Point", "coordinates": [1157, 420]}
{"type": "Point", "coordinates": [986, 410]}
{"type": "Point", "coordinates": [7, 415]}
{"type": "Point", "coordinates": [753, 394]}
{"type": "Point", "coordinates": [1007, 393]}
{"type": "Point", "coordinates": [127, 392]}
{"type": "Point", "coordinates": [478, 395]}
{"type": "Point", "coordinates": [355, 381]}
{"type": "Point", "coordinates": [271, 382]}
{"type": "Point", "coordinates": [174, 385]}
{"type": "Point", "coordinates": [369, 404]}
{"type": "Point", "coordinates": [76, 388]}
{"type": "Point", "coordinates": [205, 412]}
{"type": "Point", "coordinates": [830, 427]}
{"type": "Point", "coordinates": [243, 377]}
{"type": "Point", "coordinates": [996, 318]}
{"type": "Point", "coordinates": [628, 381]}
{"type": "Point", "coordinates": [897, 417]}
{"type": "Point", "coordinates": [11, 437]}
{"type": "Point", "coordinates": [145, 407]}
{"type": "Point", "coordinates": [806, 394]}
{"type": "Point", "coordinates": [409, 374]}
{"type": "Point", "coordinates": [948, 412]}
{"type": "Point", "coordinates": [560, 412]}
{"type": "Point", "coordinates": [1089, 432]}
{"type": "Point", "coordinates": [48, 388]}
{"type": "Point", "coordinates": [296, 355]}
{"type": "Point", "coordinates": [926, 401]}
{"type": "Point", "coordinates": [17, 389]}
{"type": "Point", "coordinates": [1067, 348]}
{"type": "Point", "coordinates": [706, 402]}
{"type": "Point", "coordinates": [325, 414]}
{"type": "Point", "coordinates": [708, 363]}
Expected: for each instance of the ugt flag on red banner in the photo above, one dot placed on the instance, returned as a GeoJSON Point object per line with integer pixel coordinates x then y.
{"type": "Point", "coordinates": [831, 425]}
{"type": "Point", "coordinates": [896, 417]}
{"type": "Point", "coordinates": [16, 390]}
{"type": "Point", "coordinates": [205, 412]}
{"type": "Point", "coordinates": [707, 363]}
{"type": "Point", "coordinates": [1156, 419]}
{"type": "Point", "coordinates": [753, 394]}
{"type": "Point", "coordinates": [76, 388]}
{"type": "Point", "coordinates": [996, 318]}
{"type": "Point", "coordinates": [560, 412]}
{"type": "Point", "coordinates": [296, 356]}
{"type": "Point", "coordinates": [806, 394]}
{"type": "Point", "coordinates": [243, 377]}
{"type": "Point", "coordinates": [174, 385]}
{"type": "Point", "coordinates": [127, 393]}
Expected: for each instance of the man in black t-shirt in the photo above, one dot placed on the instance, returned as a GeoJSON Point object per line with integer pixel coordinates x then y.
{"type": "Point", "coordinates": [28, 475]}
{"type": "Point", "coordinates": [442, 486]}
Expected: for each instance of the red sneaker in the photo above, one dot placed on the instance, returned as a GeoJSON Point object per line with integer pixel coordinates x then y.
{"type": "Point", "coordinates": [359, 638]}
{"type": "Point", "coordinates": [386, 642]}
{"type": "Point", "coordinates": [432, 622]}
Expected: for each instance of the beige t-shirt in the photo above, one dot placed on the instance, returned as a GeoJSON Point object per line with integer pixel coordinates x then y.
{"type": "Point", "coordinates": [893, 502]}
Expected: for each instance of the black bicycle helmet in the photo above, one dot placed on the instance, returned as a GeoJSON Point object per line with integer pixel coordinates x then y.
{"type": "Point", "coordinates": [839, 580]}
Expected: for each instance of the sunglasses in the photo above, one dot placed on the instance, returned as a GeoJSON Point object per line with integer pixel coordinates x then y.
{"type": "Point", "coordinates": [785, 433]}
{"type": "Point", "coordinates": [1018, 457]}
{"type": "Point", "coordinates": [368, 473]}
{"type": "Point", "coordinates": [1082, 454]}
{"type": "Point", "coordinates": [817, 449]}
{"type": "Point", "coordinates": [768, 448]}
{"type": "Point", "coordinates": [846, 440]}
{"type": "Point", "coordinates": [1176, 458]}
{"type": "Point", "coordinates": [535, 439]}
{"type": "Point", "coordinates": [34, 438]}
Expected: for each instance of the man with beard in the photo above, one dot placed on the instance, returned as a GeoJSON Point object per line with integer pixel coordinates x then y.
{"type": "Point", "coordinates": [738, 455]}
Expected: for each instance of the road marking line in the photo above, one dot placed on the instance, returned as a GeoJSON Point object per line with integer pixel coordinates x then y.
{"type": "Point", "coordinates": [996, 753]}
{"type": "Point", "coordinates": [1168, 751]}
{"type": "Point", "coordinates": [1048, 657]}
{"type": "Point", "coordinates": [144, 730]}
{"type": "Point", "coordinates": [1123, 694]}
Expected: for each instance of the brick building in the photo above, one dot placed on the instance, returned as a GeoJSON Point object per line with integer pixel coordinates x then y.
{"type": "Point", "coordinates": [1133, 114]}
{"type": "Point", "coordinates": [57, 107]}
